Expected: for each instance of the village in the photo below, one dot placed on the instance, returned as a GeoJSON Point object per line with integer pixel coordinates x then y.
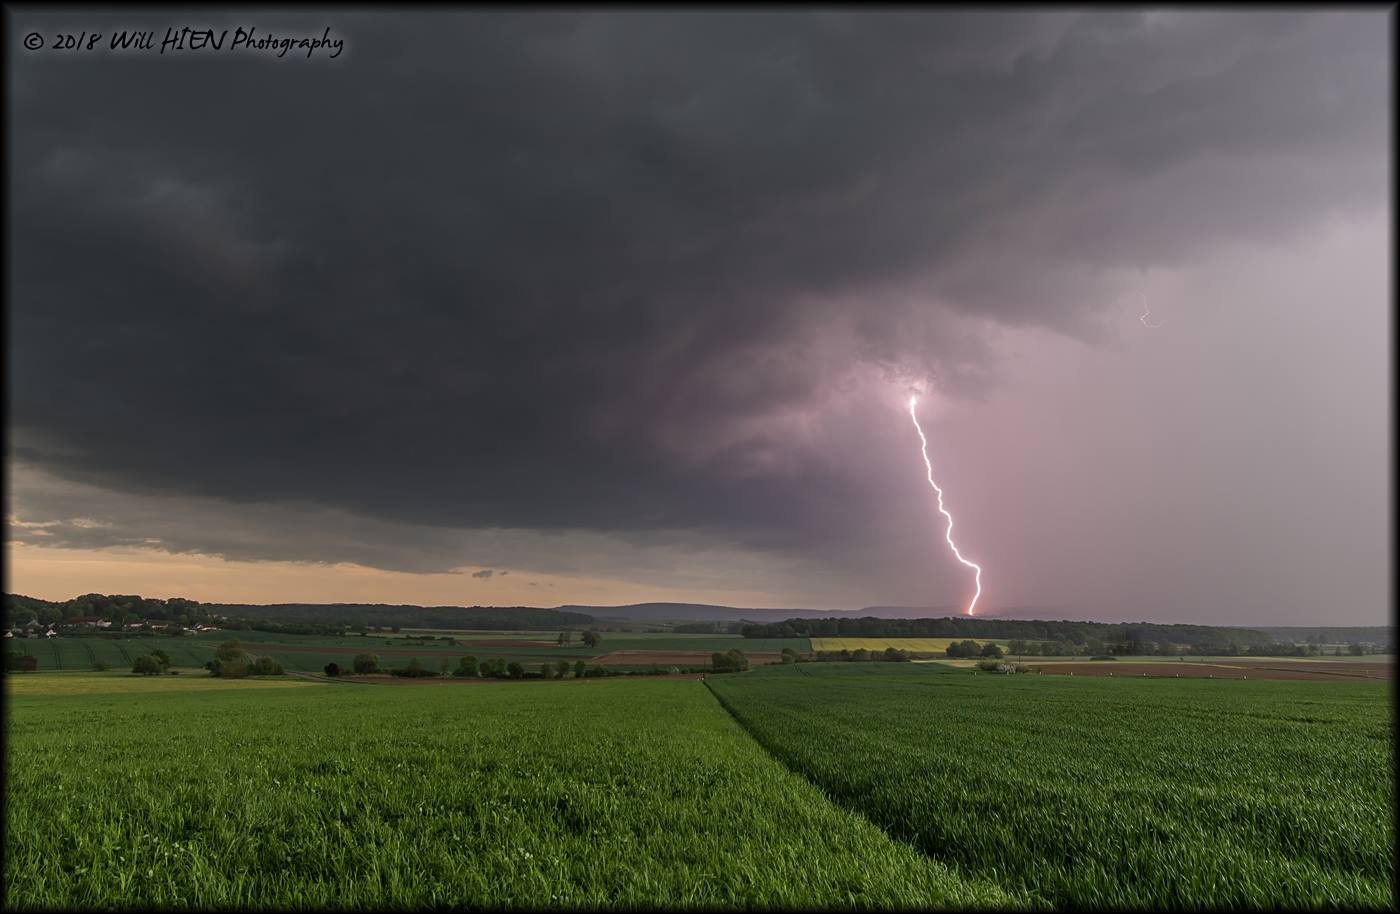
{"type": "Point", "coordinates": [87, 624]}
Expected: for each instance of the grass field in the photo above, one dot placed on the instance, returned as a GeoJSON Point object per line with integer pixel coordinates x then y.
{"type": "Point", "coordinates": [313, 652]}
{"type": "Point", "coordinates": [178, 792]}
{"type": "Point", "coordinates": [918, 645]}
{"type": "Point", "coordinates": [1102, 793]}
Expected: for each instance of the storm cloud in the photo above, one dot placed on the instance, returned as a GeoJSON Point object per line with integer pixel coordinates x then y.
{"type": "Point", "coordinates": [639, 274]}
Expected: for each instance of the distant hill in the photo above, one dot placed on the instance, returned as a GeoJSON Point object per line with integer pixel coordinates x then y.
{"type": "Point", "coordinates": [701, 612]}
{"type": "Point", "coordinates": [409, 616]}
{"type": "Point", "coordinates": [1334, 634]}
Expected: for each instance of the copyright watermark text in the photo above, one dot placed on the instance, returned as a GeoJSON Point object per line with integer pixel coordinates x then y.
{"type": "Point", "coordinates": [188, 40]}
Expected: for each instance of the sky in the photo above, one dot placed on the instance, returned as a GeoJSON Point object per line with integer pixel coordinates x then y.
{"type": "Point", "coordinates": [602, 307]}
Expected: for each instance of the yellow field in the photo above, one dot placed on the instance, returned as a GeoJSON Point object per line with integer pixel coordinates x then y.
{"type": "Point", "coordinates": [113, 683]}
{"type": "Point", "coordinates": [919, 645]}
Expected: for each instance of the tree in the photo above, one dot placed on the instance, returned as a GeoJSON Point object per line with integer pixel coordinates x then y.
{"type": "Point", "coordinates": [895, 655]}
{"type": "Point", "coordinates": [592, 638]}
{"type": "Point", "coordinates": [991, 649]}
{"type": "Point", "coordinates": [365, 664]}
{"type": "Point", "coordinates": [266, 666]}
{"type": "Point", "coordinates": [230, 650]}
{"type": "Point", "coordinates": [860, 654]}
{"type": "Point", "coordinates": [580, 668]}
{"type": "Point", "coordinates": [1355, 649]}
{"type": "Point", "coordinates": [466, 668]}
{"type": "Point", "coordinates": [546, 670]}
{"type": "Point", "coordinates": [1016, 647]}
{"type": "Point", "coordinates": [20, 662]}
{"type": "Point", "coordinates": [789, 655]}
{"type": "Point", "coordinates": [729, 662]}
{"type": "Point", "coordinates": [515, 670]}
{"type": "Point", "coordinates": [146, 666]}
{"type": "Point", "coordinates": [964, 649]}
{"type": "Point", "coordinates": [332, 669]}
{"type": "Point", "coordinates": [162, 658]}
{"type": "Point", "coordinates": [561, 669]}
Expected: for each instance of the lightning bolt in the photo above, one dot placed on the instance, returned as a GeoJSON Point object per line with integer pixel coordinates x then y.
{"type": "Point", "coordinates": [1146, 311]}
{"type": "Point", "coordinates": [949, 534]}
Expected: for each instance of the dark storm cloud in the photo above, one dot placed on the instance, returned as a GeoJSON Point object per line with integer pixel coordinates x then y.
{"type": "Point", "coordinates": [557, 271]}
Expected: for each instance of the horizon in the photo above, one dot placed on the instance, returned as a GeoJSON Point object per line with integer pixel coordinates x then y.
{"type": "Point", "coordinates": [1016, 614]}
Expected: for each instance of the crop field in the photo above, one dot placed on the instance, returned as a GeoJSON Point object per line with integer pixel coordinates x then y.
{"type": "Point", "coordinates": [313, 652]}
{"type": "Point", "coordinates": [917, 645]}
{"type": "Point", "coordinates": [1097, 792]}
{"type": "Point", "coordinates": [128, 792]}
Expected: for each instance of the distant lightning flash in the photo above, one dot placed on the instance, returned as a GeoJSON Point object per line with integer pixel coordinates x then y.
{"type": "Point", "coordinates": [949, 534]}
{"type": "Point", "coordinates": [1146, 311]}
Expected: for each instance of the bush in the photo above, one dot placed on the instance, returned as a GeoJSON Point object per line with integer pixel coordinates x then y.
{"type": "Point", "coordinates": [20, 662]}
{"type": "Point", "coordinates": [515, 670]}
{"type": "Point", "coordinates": [964, 649]}
{"type": "Point", "coordinates": [229, 650]}
{"type": "Point", "coordinates": [580, 668]}
{"type": "Point", "coordinates": [332, 669]}
{"type": "Point", "coordinates": [466, 668]}
{"type": "Point", "coordinates": [101, 666]}
{"type": "Point", "coordinates": [266, 666]}
{"type": "Point", "coordinates": [365, 664]}
{"type": "Point", "coordinates": [731, 661]}
{"type": "Point", "coordinates": [789, 655]}
{"type": "Point", "coordinates": [413, 670]}
{"type": "Point", "coordinates": [592, 638]}
{"type": "Point", "coordinates": [895, 655]}
{"type": "Point", "coordinates": [146, 666]}
{"type": "Point", "coordinates": [993, 650]}
{"type": "Point", "coordinates": [238, 668]}
{"type": "Point", "coordinates": [561, 669]}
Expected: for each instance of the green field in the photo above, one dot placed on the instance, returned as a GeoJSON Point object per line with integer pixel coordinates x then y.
{"type": "Point", "coordinates": [808, 785]}
{"type": "Point", "coordinates": [1102, 793]}
{"type": "Point", "coordinates": [80, 653]}
{"type": "Point", "coordinates": [132, 792]}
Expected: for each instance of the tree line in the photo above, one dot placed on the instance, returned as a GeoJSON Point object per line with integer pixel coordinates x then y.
{"type": "Point", "coordinates": [469, 667]}
{"type": "Point", "coordinates": [1005, 629]}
